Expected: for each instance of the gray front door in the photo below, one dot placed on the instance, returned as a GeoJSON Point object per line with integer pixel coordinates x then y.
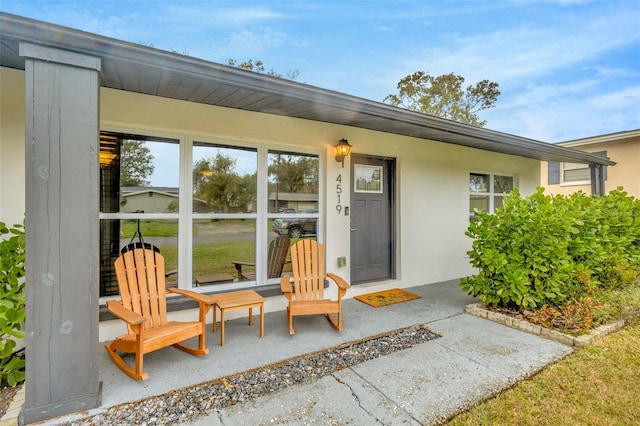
{"type": "Point", "coordinates": [372, 219]}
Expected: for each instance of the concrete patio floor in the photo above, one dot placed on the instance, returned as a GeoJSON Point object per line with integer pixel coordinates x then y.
{"type": "Point", "coordinates": [474, 359]}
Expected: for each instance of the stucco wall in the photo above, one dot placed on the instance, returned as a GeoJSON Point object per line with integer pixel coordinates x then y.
{"type": "Point", "coordinates": [625, 173]}
{"type": "Point", "coordinates": [432, 178]}
{"type": "Point", "coordinates": [12, 166]}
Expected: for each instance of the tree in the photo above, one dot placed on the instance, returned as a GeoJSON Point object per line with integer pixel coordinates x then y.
{"type": "Point", "coordinates": [443, 96]}
{"type": "Point", "coordinates": [215, 180]}
{"type": "Point", "coordinates": [258, 66]}
{"type": "Point", "coordinates": [295, 173]}
{"type": "Point", "coordinates": [136, 163]}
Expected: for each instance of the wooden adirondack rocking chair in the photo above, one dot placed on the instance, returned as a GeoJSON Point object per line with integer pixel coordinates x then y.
{"type": "Point", "coordinates": [276, 258]}
{"type": "Point", "coordinates": [306, 294]}
{"type": "Point", "coordinates": [141, 281]}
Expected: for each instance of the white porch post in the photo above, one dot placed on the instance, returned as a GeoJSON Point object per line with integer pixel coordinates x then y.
{"type": "Point", "coordinates": [62, 133]}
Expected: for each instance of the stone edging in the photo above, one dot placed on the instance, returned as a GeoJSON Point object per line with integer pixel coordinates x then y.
{"type": "Point", "coordinates": [598, 333]}
{"type": "Point", "coordinates": [10, 418]}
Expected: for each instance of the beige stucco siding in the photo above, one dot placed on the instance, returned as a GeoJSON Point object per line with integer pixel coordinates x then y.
{"type": "Point", "coordinates": [626, 172]}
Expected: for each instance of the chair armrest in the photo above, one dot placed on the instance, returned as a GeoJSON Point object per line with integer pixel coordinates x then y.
{"type": "Point", "coordinates": [238, 265]}
{"type": "Point", "coordinates": [119, 311]}
{"type": "Point", "coordinates": [339, 281]}
{"type": "Point", "coordinates": [171, 272]}
{"type": "Point", "coordinates": [285, 284]}
{"type": "Point", "coordinates": [194, 295]}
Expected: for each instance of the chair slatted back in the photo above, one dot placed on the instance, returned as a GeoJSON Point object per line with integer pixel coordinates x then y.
{"type": "Point", "coordinates": [277, 255]}
{"type": "Point", "coordinates": [140, 274]}
{"type": "Point", "coordinates": [307, 261]}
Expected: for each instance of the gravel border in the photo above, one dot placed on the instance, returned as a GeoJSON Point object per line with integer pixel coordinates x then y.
{"type": "Point", "coordinates": [186, 404]}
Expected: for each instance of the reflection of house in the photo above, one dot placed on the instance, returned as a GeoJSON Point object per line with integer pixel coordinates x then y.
{"type": "Point", "coordinates": [279, 201]}
{"type": "Point", "coordinates": [154, 200]}
{"type": "Point", "coordinates": [621, 147]}
{"type": "Point", "coordinates": [149, 199]}
{"type": "Point", "coordinates": [61, 87]}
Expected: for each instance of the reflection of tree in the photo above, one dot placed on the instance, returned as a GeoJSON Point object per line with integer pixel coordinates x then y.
{"type": "Point", "coordinates": [215, 180]}
{"type": "Point", "coordinates": [294, 173]}
{"type": "Point", "coordinates": [136, 163]}
{"type": "Point", "coordinates": [503, 184]}
{"type": "Point", "coordinates": [478, 183]}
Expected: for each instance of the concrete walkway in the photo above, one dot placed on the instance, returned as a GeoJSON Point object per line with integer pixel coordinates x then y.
{"type": "Point", "coordinates": [474, 359]}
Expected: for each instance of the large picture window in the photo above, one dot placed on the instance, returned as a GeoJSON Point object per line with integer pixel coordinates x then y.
{"type": "Point", "coordinates": [487, 191]}
{"type": "Point", "coordinates": [214, 211]}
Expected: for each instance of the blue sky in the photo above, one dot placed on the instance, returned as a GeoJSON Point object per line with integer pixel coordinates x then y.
{"type": "Point", "coordinates": [567, 69]}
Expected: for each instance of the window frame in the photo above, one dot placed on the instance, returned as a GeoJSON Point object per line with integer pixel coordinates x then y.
{"type": "Point", "coordinates": [185, 215]}
{"type": "Point", "coordinates": [491, 194]}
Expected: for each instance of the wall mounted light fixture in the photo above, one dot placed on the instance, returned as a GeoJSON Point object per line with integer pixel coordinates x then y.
{"type": "Point", "coordinates": [342, 150]}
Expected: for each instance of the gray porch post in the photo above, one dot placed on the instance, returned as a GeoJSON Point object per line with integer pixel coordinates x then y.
{"type": "Point", "coordinates": [597, 179]}
{"type": "Point", "coordinates": [62, 132]}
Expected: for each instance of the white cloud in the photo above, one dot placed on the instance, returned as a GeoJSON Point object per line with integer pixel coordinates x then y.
{"type": "Point", "coordinates": [571, 118]}
{"type": "Point", "coordinates": [210, 14]}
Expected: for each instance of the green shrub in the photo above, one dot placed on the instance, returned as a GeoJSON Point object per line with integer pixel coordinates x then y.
{"type": "Point", "coordinates": [12, 301]}
{"type": "Point", "coordinates": [550, 250]}
{"type": "Point", "coordinates": [616, 273]}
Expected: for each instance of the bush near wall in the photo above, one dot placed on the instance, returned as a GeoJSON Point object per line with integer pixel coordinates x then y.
{"type": "Point", "coordinates": [12, 302]}
{"type": "Point", "coordinates": [553, 250]}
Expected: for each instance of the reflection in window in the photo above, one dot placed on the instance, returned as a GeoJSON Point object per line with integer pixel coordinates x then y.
{"type": "Point", "coordinates": [138, 174]}
{"type": "Point", "coordinates": [293, 182]}
{"type": "Point", "coordinates": [120, 234]}
{"type": "Point", "coordinates": [140, 184]}
{"type": "Point", "coordinates": [220, 246]}
{"type": "Point", "coordinates": [224, 182]}
{"type": "Point", "coordinates": [224, 179]}
{"type": "Point", "coordinates": [487, 191]}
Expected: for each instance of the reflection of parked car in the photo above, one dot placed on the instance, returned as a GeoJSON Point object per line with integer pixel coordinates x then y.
{"type": "Point", "coordinates": [296, 227]}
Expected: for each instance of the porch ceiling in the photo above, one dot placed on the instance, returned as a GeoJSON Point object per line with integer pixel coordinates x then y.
{"type": "Point", "coordinates": [137, 68]}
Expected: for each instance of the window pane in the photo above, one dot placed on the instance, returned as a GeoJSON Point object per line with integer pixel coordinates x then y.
{"type": "Point", "coordinates": [293, 182]}
{"type": "Point", "coordinates": [480, 202]}
{"type": "Point", "coordinates": [573, 166]}
{"type": "Point", "coordinates": [498, 201]}
{"type": "Point", "coordinates": [478, 183]}
{"type": "Point", "coordinates": [277, 255]}
{"type": "Point", "coordinates": [115, 235]}
{"type": "Point", "coordinates": [138, 173]}
{"type": "Point", "coordinates": [220, 245]}
{"type": "Point", "coordinates": [502, 184]}
{"type": "Point", "coordinates": [575, 175]}
{"type": "Point", "coordinates": [224, 179]}
{"type": "Point", "coordinates": [149, 176]}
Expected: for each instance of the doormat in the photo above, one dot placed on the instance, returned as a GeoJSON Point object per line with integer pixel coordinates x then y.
{"type": "Point", "coordinates": [387, 297]}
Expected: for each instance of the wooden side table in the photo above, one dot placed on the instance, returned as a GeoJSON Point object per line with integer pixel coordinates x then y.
{"type": "Point", "coordinates": [232, 302]}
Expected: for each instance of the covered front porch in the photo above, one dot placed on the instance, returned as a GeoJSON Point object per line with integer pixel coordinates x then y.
{"type": "Point", "coordinates": [171, 369]}
{"type": "Point", "coordinates": [442, 362]}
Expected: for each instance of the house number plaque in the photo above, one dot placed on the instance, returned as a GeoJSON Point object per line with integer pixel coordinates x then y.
{"type": "Point", "coordinates": [338, 192]}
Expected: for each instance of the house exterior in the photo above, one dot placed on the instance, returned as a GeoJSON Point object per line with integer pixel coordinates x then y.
{"type": "Point", "coordinates": [621, 147]}
{"type": "Point", "coordinates": [393, 214]}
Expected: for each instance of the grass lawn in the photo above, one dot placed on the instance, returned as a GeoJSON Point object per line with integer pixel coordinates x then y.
{"type": "Point", "coordinates": [596, 385]}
